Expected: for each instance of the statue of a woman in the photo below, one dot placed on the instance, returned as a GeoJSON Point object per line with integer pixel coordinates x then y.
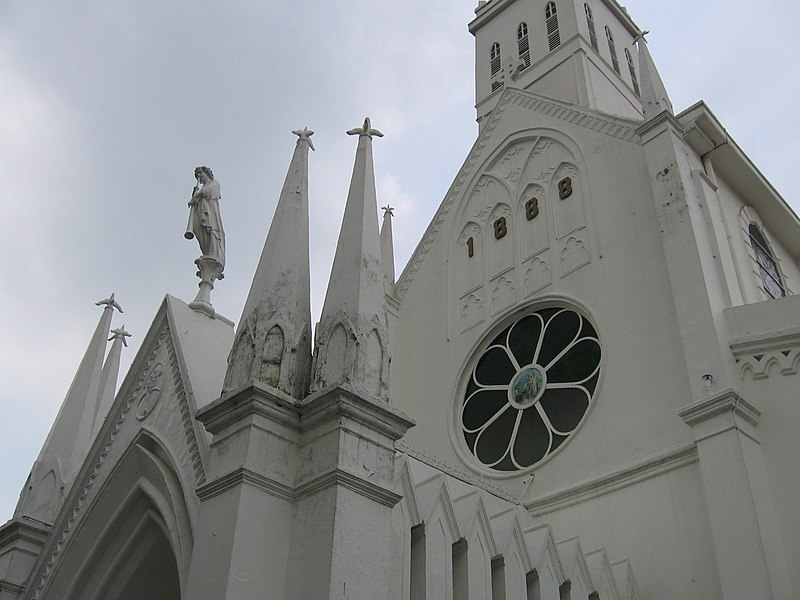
{"type": "Point", "coordinates": [205, 222]}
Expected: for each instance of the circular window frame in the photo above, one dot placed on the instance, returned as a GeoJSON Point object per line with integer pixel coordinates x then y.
{"type": "Point", "coordinates": [475, 354]}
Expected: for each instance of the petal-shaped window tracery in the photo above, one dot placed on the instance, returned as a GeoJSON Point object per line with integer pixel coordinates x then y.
{"type": "Point", "coordinates": [530, 389]}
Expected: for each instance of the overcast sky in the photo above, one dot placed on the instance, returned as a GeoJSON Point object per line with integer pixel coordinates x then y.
{"type": "Point", "coordinates": [107, 106]}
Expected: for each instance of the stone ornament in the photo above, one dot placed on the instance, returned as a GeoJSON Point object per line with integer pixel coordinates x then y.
{"type": "Point", "coordinates": [205, 224]}
{"type": "Point", "coordinates": [152, 392]}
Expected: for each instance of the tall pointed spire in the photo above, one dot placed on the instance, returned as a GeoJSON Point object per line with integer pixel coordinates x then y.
{"type": "Point", "coordinates": [273, 339]}
{"type": "Point", "coordinates": [654, 95]}
{"type": "Point", "coordinates": [387, 246]}
{"type": "Point", "coordinates": [71, 435]}
{"type": "Point", "coordinates": [351, 342]}
{"type": "Point", "coordinates": [108, 377]}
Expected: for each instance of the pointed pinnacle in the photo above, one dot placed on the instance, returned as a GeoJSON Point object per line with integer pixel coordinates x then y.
{"type": "Point", "coordinates": [109, 302]}
{"type": "Point", "coordinates": [120, 334]}
{"type": "Point", "coordinates": [387, 210]}
{"type": "Point", "coordinates": [366, 130]}
{"type": "Point", "coordinates": [304, 135]}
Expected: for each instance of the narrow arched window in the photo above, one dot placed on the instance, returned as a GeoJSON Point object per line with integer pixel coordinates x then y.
{"type": "Point", "coordinates": [767, 267]}
{"type": "Point", "coordinates": [590, 24]}
{"type": "Point", "coordinates": [551, 20]}
{"type": "Point", "coordinates": [634, 80]}
{"type": "Point", "coordinates": [494, 65]}
{"type": "Point", "coordinates": [612, 49]}
{"type": "Point", "coordinates": [523, 45]}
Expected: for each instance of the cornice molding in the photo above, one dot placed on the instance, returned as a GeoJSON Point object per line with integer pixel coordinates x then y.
{"type": "Point", "coordinates": [722, 403]}
{"type": "Point", "coordinates": [594, 120]}
{"type": "Point", "coordinates": [254, 399]}
{"type": "Point", "coordinates": [245, 476]}
{"type": "Point", "coordinates": [661, 122]}
{"type": "Point", "coordinates": [18, 529]}
{"type": "Point", "coordinates": [343, 400]}
{"type": "Point", "coordinates": [359, 485]}
{"type": "Point", "coordinates": [613, 482]}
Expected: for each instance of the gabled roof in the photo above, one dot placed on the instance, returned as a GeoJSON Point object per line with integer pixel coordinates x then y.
{"type": "Point", "coordinates": [196, 348]}
{"type": "Point", "coordinates": [705, 134]}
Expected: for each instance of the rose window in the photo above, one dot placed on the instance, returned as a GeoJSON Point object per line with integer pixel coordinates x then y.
{"type": "Point", "coordinates": [530, 389]}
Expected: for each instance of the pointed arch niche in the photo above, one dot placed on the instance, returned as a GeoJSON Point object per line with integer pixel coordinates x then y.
{"type": "Point", "coordinates": [136, 541]}
{"type": "Point", "coordinates": [521, 223]}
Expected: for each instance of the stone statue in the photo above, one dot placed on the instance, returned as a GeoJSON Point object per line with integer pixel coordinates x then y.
{"type": "Point", "coordinates": [205, 222]}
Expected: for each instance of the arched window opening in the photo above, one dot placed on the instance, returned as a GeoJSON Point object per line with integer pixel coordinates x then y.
{"type": "Point", "coordinates": [460, 571]}
{"type": "Point", "coordinates": [590, 24]}
{"type": "Point", "coordinates": [551, 20]}
{"type": "Point", "coordinates": [523, 45]}
{"type": "Point", "coordinates": [634, 80]}
{"type": "Point", "coordinates": [498, 578]}
{"type": "Point", "coordinates": [612, 49]}
{"type": "Point", "coordinates": [767, 267]}
{"type": "Point", "coordinates": [532, 586]}
{"type": "Point", "coordinates": [494, 65]}
{"type": "Point", "coordinates": [417, 586]}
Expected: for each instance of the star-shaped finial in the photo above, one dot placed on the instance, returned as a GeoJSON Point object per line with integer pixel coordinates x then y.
{"type": "Point", "coordinates": [305, 136]}
{"type": "Point", "coordinates": [366, 130]}
{"type": "Point", "coordinates": [109, 302]}
{"type": "Point", "coordinates": [120, 334]}
{"type": "Point", "coordinates": [387, 210]}
{"type": "Point", "coordinates": [640, 36]}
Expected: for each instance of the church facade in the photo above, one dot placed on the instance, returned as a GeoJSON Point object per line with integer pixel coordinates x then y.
{"type": "Point", "coordinates": [583, 384]}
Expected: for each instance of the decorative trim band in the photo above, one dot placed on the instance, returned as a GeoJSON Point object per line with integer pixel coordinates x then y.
{"type": "Point", "coordinates": [614, 128]}
{"type": "Point", "coordinates": [458, 473]}
{"type": "Point", "coordinates": [351, 482]}
{"type": "Point", "coordinates": [245, 476]}
{"type": "Point", "coordinates": [7, 586]}
{"type": "Point", "coordinates": [613, 482]}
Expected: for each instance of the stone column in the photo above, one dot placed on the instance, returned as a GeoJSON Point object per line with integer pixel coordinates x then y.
{"type": "Point", "coordinates": [247, 505]}
{"type": "Point", "coordinates": [342, 536]}
{"type": "Point", "coordinates": [749, 552]}
{"type": "Point", "coordinates": [21, 542]}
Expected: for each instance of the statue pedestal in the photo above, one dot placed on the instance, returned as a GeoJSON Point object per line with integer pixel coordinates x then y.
{"type": "Point", "coordinates": [210, 269]}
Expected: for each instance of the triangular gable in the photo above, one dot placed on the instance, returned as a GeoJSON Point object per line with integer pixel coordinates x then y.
{"type": "Point", "coordinates": [575, 568]}
{"type": "Point", "coordinates": [611, 125]}
{"type": "Point", "coordinates": [544, 555]}
{"type": "Point", "coordinates": [626, 582]}
{"type": "Point", "coordinates": [602, 575]}
{"type": "Point", "coordinates": [156, 397]}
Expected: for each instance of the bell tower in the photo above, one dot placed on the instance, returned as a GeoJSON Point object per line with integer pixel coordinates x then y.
{"type": "Point", "coordinates": [579, 52]}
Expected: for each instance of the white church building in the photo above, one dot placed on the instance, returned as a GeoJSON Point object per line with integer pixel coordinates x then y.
{"type": "Point", "coordinates": [583, 385]}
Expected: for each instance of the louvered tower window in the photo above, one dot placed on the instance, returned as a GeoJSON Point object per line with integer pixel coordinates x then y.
{"type": "Point", "coordinates": [494, 65]}
{"type": "Point", "coordinates": [612, 49]}
{"type": "Point", "coordinates": [634, 80]}
{"type": "Point", "coordinates": [551, 20]}
{"type": "Point", "coordinates": [523, 46]}
{"type": "Point", "coordinates": [590, 24]}
{"type": "Point", "coordinates": [767, 267]}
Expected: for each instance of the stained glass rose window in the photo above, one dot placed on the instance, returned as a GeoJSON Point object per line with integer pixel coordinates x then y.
{"type": "Point", "coordinates": [530, 388]}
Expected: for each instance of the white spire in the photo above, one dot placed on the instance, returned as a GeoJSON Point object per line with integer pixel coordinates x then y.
{"type": "Point", "coordinates": [654, 95]}
{"type": "Point", "coordinates": [108, 377]}
{"type": "Point", "coordinates": [387, 246]}
{"type": "Point", "coordinates": [351, 342]}
{"type": "Point", "coordinates": [71, 435]}
{"type": "Point", "coordinates": [273, 339]}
